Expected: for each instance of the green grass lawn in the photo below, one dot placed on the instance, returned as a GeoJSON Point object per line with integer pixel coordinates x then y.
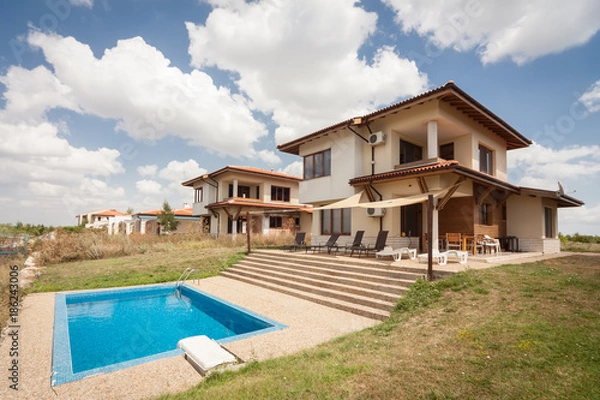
{"type": "Point", "coordinates": [529, 331]}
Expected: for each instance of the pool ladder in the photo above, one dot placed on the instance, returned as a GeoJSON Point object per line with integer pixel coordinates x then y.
{"type": "Point", "coordinates": [184, 276]}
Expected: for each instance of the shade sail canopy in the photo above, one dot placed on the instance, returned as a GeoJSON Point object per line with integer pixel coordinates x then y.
{"type": "Point", "coordinates": [354, 201]}
{"type": "Point", "coordinates": [350, 202]}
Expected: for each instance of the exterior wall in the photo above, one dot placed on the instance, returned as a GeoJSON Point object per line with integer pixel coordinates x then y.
{"type": "Point", "coordinates": [209, 195]}
{"type": "Point", "coordinates": [346, 163]}
{"type": "Point", "coordinates": [457, 216]}
{"type": "Point", "coordinates": [525, 217]}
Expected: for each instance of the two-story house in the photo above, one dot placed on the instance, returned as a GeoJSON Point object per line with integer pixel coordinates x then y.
{"type": "Point", "coordinates": [226, 198]}
{"type": "Point", "coordinates": [442, 142]}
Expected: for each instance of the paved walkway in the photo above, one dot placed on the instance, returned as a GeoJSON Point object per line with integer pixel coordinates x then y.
{"type": "Point", "coordinates": [309, 324]}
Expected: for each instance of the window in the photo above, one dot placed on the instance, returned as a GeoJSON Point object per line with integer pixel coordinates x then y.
{"type": "Point", "coordinates": [243, 191]}
{"type": "Point", "coordinates": [410, 152]}
{"type": "Point", "coordinates": [275, 222]}
{"type": "Point", "coordinates": [485, 214]}
{"type": "Point", "coordinates": [317, 165]}
{"type": "Point", "coordinates": [549, 222]}
{"type": "Point", "coordinates": [280, 193]}
{"type": "Point", "coordinates": [336, 221]}
{"type": "Point", "coordinates": [486, 160]}
{"type": "Point", "coordinates": [447, 151]}
{"type": "Point", "coordinates": [198, 195]}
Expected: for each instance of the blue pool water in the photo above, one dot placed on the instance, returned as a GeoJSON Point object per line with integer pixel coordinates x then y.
{"type": "Point", "coordinates": [102, 331]}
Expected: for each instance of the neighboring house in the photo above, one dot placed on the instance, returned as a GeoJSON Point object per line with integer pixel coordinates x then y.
{"type": "Point", "coordinates": [225, 198]}
{"type": "Point", "coordinates": [441, 142]}
{"type": "Point", "coordinates": [147, 221]}
{"type": "Point", "coordinates": [112, 220]}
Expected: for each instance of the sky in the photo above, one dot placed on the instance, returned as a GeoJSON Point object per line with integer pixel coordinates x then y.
{"type": "Point", "coordinates": [113, 103]}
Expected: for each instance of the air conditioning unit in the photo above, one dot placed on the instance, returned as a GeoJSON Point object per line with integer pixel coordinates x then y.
{"type": "Point", "coordinates": [376, 138]}
{"type": "Point", "coordinates": [375, 212]}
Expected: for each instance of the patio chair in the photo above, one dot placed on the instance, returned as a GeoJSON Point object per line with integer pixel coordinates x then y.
{"type": "Point", "coordinates": [453, 241]}
{"type": "Point", "coordinates": [356, 243]}
{"type": "Point", "coordinates": [379, 244]}
{"type": "Point", "coordinates": [298, 242]}
{"type": "Point", "coordinates": [491, 244]}
{"type": "Point", "coordinates": [475, 244]}
{"type": "Point", "coordinates": [329, 246]}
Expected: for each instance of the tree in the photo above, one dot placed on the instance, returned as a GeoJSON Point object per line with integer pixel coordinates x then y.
{"type": "Point", "coordinates": [166, 218]}
{"type": "Point", "coordinates": [129, 211]}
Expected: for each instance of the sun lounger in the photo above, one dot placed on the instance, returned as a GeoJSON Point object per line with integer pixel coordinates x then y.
{"type": "Point", "coordinates": [442, 257]}
{"type": "Point", "coordinates": [396, 254]}
{"type": "Point", "coordinates": [379, 244]}
{"type": "Point", "coordinates": [204, 353]}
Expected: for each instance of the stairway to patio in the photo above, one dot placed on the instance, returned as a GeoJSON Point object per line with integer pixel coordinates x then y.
{"type": "Point", "coordinates": [363, 287]}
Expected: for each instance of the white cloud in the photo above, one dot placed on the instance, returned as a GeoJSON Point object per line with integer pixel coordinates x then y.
{"type": "Point", "coordinates": [177, 171]}
{"type": "Point", "coordinates": [298, 60]}
{"type": "Point", "coordinates": [147, 170]}
{"type": "Point", "coordinates": [268, 157]}
{"type": "Point", "coordinates": [82, 3]}
{"type": "Point", "coordinates": [499, 29]}
{"type": "Point", "coordinates": [31, 153]}
{"type": "Point", "coordinates": [591, 98]}
{"type": "Point", "coordinates": [30, 93]}
{"type": "Point", "coordinates": [296, 168]}
{"type": "Point", "coordinates": [150, 187]}
{"type": "Point", "coordinates": [542, 167]}
{"type": "Point", "coordinates": [134, 84]}
{"type": "Point", "coordinates": [584, 220]}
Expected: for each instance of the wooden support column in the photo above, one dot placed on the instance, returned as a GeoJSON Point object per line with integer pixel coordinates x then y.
{"type": "Point", "coordinates": [430, 237]}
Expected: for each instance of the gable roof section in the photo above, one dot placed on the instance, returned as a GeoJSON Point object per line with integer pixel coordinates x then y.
{"type": "Point", "coordinates": [238, 169]}
{"type": "Point", "coordinates": [449, 93]}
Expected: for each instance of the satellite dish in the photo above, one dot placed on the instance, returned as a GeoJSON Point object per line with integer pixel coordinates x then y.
{"type": "Point", "coordinates": [561, 190]}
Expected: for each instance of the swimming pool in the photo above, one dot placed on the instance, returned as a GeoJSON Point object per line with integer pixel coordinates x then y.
{"type": "Point", "coordinates": [106, 330]}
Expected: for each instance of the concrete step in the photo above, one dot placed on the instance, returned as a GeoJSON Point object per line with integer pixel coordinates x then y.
{"type": "Point", "coordinates": [315, 298]}
{"type": "Point", "coordinates": [364, 287]}
{"type": "Point", "coordinates": [338, 293]}
{"type": "Point", "coordinates": [390, 285]}
{"type": "Point", "coordinates": [345, 264]}
{"type": "Point", "coordinates": [355, 287]}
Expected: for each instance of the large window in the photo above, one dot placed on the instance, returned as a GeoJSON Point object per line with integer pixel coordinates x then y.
{"type": "Point", "coordinates": [549, 222]}
{"type": "Point", "coordinates": [317, 165]}
{"type": "Point", "coordinates": [336, 221]}
{"type": "Point", "coordinates": [447, 151]}
{"type": "Point", "coordinates": [486, 160]}
{"type": "Point", "coordinates": [280, 193]}
{"type": "Point", "coordinates": [410, 152]}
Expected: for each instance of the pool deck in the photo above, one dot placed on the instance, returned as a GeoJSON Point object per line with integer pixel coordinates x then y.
{"type": "Point", "coordinates": [309, 324]}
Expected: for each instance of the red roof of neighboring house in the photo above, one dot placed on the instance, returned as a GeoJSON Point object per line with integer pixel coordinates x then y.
{"type": "Point", "coordinates": [250, 170]}
{"type": "Point", "coordinates": [182, 212]}
{"type": "Point", "coordinates": [106, 213]}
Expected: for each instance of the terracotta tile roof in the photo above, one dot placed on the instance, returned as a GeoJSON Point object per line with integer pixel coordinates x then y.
{"type": "Point", "coordinates": [262, 205]}
{"type": "Point", "coordinates": [107, 213]}
{"type": "Point", "coordinates": [434, 168]}
{"type": "Point", "coordinates": [449, 93]}
{"type": "Point", "coordinates": [438, 166]}
{"type": "Point", "coordinates": [234, 168]}
{"type": "Point", "coordinates": [182, 212]}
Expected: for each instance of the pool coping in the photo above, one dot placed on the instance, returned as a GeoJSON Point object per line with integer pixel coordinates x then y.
{"type": "Point", "coordinates": [62, 368]}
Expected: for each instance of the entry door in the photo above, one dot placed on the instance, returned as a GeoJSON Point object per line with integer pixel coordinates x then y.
{"type": "Point", "coordinates": [411, 222]}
